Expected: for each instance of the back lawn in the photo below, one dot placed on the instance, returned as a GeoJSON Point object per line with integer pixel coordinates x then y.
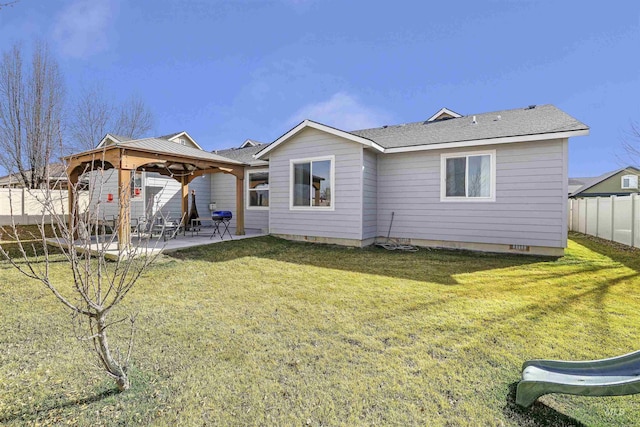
{"type": "Point", "coordinates": [268, 332]}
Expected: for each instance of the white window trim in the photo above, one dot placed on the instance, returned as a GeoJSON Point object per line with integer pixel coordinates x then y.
{"type": "Point", "coordinates": [631, 178]}
{"type": "Point", "coordinates": [466, 154]}
{"type": "Point", "coordinates": [247, 190]}
{"type": "Point", "coordinates": [293, 162]}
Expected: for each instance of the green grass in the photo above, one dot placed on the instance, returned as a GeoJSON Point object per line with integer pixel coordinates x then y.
{"type": "Point", "coordinates": [267, 332]}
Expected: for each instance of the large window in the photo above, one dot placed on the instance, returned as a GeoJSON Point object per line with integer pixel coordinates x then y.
{"type": "Point", "coordinates": [468, 176]}
{"type": "Point", "coordinates": [258, 189]}
{"type": "Point", "coordinates": [629, 182]}
{"type": "Point", "coordinates": [312, 183]}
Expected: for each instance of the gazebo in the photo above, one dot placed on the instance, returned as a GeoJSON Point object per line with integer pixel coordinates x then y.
{"type": "Point", "coordinates": [179, 162]}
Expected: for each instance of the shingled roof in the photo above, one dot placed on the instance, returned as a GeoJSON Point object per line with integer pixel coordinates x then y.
{"type": "Point", "coordinates": [534, 120]}
{"type": "Point", "coordinates": [518, 125]}
{"type": "Point", "coordinates": [244, 155]}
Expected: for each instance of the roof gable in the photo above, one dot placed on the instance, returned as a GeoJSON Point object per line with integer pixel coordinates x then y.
{"type": "Point", "coordinates": [319, 126]}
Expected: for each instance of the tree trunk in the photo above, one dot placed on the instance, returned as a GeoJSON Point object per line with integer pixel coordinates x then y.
{"type": "Point", "coordinates": [113, 367]}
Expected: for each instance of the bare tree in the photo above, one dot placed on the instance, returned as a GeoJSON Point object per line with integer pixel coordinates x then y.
{"type": "Point", "coordinates": [31, 106]}
{"type": "Point", "coordinates": [631, 145]}
{"type": "Point", "coordinates": [9, 4]}
{"type": "Point", "coordinates": [90, 118]}
{"type": "Point", "coordinates": [93, 115]}
{"type": "Point", "coordinates": [101, 272]}
{"type": "Point", "coordinates": [134, 118]}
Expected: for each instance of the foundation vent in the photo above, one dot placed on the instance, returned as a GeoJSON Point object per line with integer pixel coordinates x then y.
{"type": "Point", "coordinates": [519, 248]}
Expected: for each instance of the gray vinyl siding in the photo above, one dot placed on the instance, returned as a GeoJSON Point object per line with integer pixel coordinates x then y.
{"type": "Point", "coordinates": [168, 198]}
{"type": "Point", "coordinates": [529, 207]}
{"type": "Point", "coordinates": [103, 184]}
{"type": "Point", "coordinates": [345, 221]}
{"type": "Point", "coordinates": [169, 195]}
{"type": "Point", "coordinates": [369, 194]}
{"type": "Point", "coordinates": [223, 193]}
{"type": "Point", "coordinates": [168, 192]}
{"type": "Point", "coordinates": [202, 185]}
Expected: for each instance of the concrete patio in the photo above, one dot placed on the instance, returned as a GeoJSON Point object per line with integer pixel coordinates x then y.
{"type": "Point", "coordinates": [151, 245]}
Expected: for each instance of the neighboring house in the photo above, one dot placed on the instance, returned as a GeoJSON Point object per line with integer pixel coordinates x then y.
{"type": "Point", "coordinates": [494, 181]}
{"type": "Point", "coordinates": [620, 182]}
{"type": "Point", "coordinates": [57, 178]}
{"type": "Point", "coordinates": [575, 184]}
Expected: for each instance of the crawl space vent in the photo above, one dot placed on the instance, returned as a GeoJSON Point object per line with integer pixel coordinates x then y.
{"type": "Point", "coordinates": [519, 248]}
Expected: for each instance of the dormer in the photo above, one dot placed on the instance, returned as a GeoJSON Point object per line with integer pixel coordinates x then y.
{"type": "Point", "coordinates": [443, 114]}
{"type": "Point", "coordinates": [250, 143]}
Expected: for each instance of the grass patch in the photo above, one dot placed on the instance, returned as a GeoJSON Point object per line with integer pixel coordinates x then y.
{"type": "Point", "coordinates": [25, 232]}
{"type": "Point", "coordinates": [268, 332]}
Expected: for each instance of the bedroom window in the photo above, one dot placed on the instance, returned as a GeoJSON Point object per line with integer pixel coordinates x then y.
{"type": "Point", "coordinates": [312, 183]}
{"type": "Point", "coordinates": [258, 189]}
{"type": "Point", "coordinates": [629, 182]}
{"type": "Point", "coordinates": [468, 176]}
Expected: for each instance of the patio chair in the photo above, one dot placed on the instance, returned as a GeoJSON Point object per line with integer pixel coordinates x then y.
{"type": "Point", "coordinates": [166, 226]}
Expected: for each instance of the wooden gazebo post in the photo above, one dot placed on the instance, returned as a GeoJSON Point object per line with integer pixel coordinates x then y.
{"type": "Point", "coordinates": [124, 209]}
{"type": "Point", "coordinates": [240, 203]}
{"type": "Point", "coordinates": [72, 220]}
{"type": "Point", "coordinates": [184, 184]}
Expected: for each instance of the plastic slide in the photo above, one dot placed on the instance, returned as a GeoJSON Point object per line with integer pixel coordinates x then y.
{"type": "Point", "coordinates": [616, 376]}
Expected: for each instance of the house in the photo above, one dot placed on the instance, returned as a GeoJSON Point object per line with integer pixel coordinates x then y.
{"type": "Point", "coordinates": [620, 182]}
{"type": "Point", "coordinates": [492, 182]}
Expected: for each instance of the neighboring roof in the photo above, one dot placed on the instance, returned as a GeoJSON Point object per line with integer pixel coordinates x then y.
{"type": "Point", "coordinates": [579, 181]}
{"type": "Point", "coordinates": [244, 155]}
{"type": "Point", "coordinates": [170, 137]}
{"type": "Point", "coordinates": [113, 138]}
{"type": "Point", "coordinates": [593, 181]}
{"type": "Point", "coordinates": [168, 147]}
{"type": "Point", "coordinates": [539, 120]}
{"type": "Point", "coordinates": [518, 125]}
{"type": "Point", "coordinates": [177, 135]}
{"type": "Point", "coordinates": [57, 172]}
{"type": "Point", "coordinates": [120, 138]}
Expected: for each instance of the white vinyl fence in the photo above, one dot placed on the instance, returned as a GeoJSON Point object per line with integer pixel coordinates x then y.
{"type": "Point", "coordinates": [614, 218]}
{"type": "Point", "coordinates": [25, 206]}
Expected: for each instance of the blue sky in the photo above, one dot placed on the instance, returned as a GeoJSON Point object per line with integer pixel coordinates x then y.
{"type": "Point", "coordinates": [225, 71]}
